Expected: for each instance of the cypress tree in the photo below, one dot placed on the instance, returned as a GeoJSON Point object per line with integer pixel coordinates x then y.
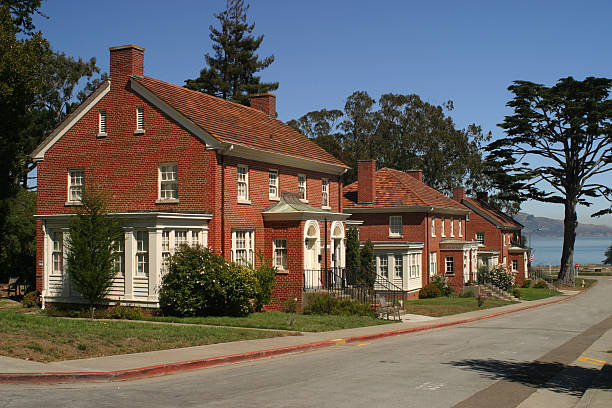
{"type": "Point", "coordinates": [231, 70]}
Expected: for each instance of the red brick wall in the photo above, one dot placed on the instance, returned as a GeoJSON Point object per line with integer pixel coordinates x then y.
{"type": "Point", "coordinates": [519, 278]}
{"type": "Point", "coordinates": [366, 173]}
{"type": "Point", "coordinates": [455, 281]}
{"type": "Point", "coordinates": [493, 235]}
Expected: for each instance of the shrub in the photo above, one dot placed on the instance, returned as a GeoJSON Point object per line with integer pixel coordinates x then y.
{"type": "Point", "coordinates": [516, 292]}
{"type": "Point", "coordinates": [526, 283]}
{"type": "Point", "coordinates": [266, 281]}
{"type": "Point", "coordinates": [31, 299]}
{"type": "Point", "coordinates": [468, 293]}
{"type": "Point", "coordinates": [291, 304]}
{"type": "Point", "coordinates": [124, 312]}
{"type": "Point", "coordinates": [540, 285]}
{"type": "Point", "coordinates": [430, 291]}
{"type": "Point", "coordinates": [499, 276]}
{"type": "Point", "coordinates": [200, 283]}
{"type": "Point", "coordinates": [441, 282]}
{"type": "Point", "coordinates": [326, 304]}
{"type": "Point", "coordinates": [484, 274]}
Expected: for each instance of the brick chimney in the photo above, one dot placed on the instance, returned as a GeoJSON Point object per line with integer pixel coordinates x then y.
{"type": "Point", "coordinates": [482, 196]}
{"type": "Point", "coordinates": [125, 60]}
{"type": "Point", "coordinates": [458, 194]}
{"type": "Point", "coordinates": [417, 174]}
{"type": "Point", "coordinates": [366, 176]}
{"type": "Point", "coordinates": [265, 102]}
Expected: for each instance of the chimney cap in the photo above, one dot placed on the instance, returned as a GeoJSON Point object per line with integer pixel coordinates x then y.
{"type": "Point", "coordinates": [123, 47]}
{"type": "Point", "coordinates": [257, 95]}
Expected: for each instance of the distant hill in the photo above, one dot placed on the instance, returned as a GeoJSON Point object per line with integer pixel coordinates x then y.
{"type": "Point", "coordinates": [554, 228]}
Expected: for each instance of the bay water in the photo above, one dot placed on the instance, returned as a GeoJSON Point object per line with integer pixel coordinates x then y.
{"type": "Point", "coordinates": [587, 250]}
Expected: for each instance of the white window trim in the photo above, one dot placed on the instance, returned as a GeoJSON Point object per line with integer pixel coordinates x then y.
{"type": "Point", "coordinates": [102, 123]}
{"type": "Point", "coordinates": [433, 263]}
{"type": "Point", "coordinates": [243, 200]}
{"type": "Point", "coordinates": [159, 184]}
{"type": "Point", "coordinates": [483, 243]}
{"type": "Point", "coordinates": [69, 200]}
{"type": "Point", "coordinates": [281, 268]}
{"type": "Point", "coordinates": [305, 199]}
{"type": "Point", "coordinates": [401, 226]}
{"type": "Point", "coordinates": [446, 263]}
{"type": "Point", "coordinates": [60, 252]}
{"type": "Point", "coordinates": [272, 196]}
{"type": "Point", "coordinates": [433, 227]}
{"type": "Point", "coordinates": [325, 190]}
{"type": "Point", "coordinates": [452, 227]}
{"type": "Point", "coordinates": [403, 266]}
{"type": "Point", "coordinates": [379, 270]}
{"type": "Point", "coordinates": [139, 126]}
{"type": "Point", "coordinates": [442, 230]}
{"type": "Point", "coordinates": [460, 228]}
{"type": "Point", "coordinates": [144, 251]}
{"type": "Point", "coordinates": [249, 245]}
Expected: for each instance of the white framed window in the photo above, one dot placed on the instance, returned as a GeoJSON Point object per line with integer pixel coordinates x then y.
{"type": "Point", "coordinates": [273, 184]}
{"type": "Point", "coordinates": [433, 227]}
{"type": "Point", "coordinates": [480, 238]}
{"type": "Point", "coordinates": [168, 181]}
{"type": "Point", "coordinates": [395, 226]}
{"type": "Point", "coordinates": [460, 229]}
{"type": "Point", "coordinates": [180, 238]}
{"type": "Point", "coordinates": [120, 260]}
{"type": "Point", "coordinates": [515, 265]}
{"type": "Point", "coordinates": [452, 227]}
{"type": "Point", "coordinates": [243, 183]}
{"type": "Point", "coordinates": [140, 118]}
{"type": "Point", "coordinates": [142, 253]}
{"type": "Point", "coordinates": [382, 265]}
{"type": "Point", "coordinates": [433, 263]}
{"type": "Point", "coordinates": [57, 255]}
{"type": "Point", "coordinates": [450, 265]}
{"type": "Point", "coordinates": [102, 123]}
{"type": "Point", "coordinates": [280, 254]}
{"type": "Point", "coordinates": [165, 244]}
{"type": "Point", "coordinates": [302, 186]}
{"type": "Point", "coordinates": [243, 246]}
{"type": "Point", "coordinates": [442, 231]}
{"type": "Point", "coordinates": [398, 266]}
{"type": "Point", "coordinates": [76, 182]}
{"type": "Point", "coordinates": [414, 265]}
{"type": "Point", "coordinates": [324, 192]}
{"type": "Point", "coordinates": [195, 238]}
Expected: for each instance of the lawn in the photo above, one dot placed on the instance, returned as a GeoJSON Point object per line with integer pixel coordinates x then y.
{"type": "Point", "coordinates": [535, 294]}
{"type": "Point", "coordinates": [444, 306]}
{"type": "Point", "coordinates": [279, 320]}
{"type": "Point", "coordinates": [41, 338]}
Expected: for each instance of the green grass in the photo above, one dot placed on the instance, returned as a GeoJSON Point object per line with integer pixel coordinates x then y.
{"type": "Point", "coordinates": [444, 306]}
{"type": "Point", "coordinates": [535, 294]}
{"type": "Point", "coordinates": [279, 320]}
{"type": "Point", "coordinates": [42, 338]}
{"type": "Point", "coordinates": [595, 274]}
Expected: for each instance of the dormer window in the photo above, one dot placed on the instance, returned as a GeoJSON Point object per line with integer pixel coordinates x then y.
{"type": "Point", "coordinates": [102, 123]}
{"type": "Point", "coordinates": [140, 119]}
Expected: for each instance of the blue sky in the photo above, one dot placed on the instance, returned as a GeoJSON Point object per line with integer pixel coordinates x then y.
{"type": "Point", "coordinates": [465, 51]}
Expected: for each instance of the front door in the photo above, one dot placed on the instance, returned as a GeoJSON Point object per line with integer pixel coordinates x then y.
{"type": "Point", "coordinates": [311, 257]}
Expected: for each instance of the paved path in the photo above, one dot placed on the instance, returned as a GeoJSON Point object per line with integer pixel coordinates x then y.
{"type": "Point", "coordinates": [470, 365]}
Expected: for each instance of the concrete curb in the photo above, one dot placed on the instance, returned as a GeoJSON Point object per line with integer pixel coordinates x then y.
{"type": "Point", "coordinates": [162, 369]}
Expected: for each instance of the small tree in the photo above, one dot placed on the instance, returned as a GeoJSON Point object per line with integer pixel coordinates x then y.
{"type": "Point", "coordinates": [608, 254]}
{"type": "Point", "coordinates": [368, 268]}
{"type": "Point", "coordinates": [353, 255]}
{"type": "Point", "coordinates": [92, 244]}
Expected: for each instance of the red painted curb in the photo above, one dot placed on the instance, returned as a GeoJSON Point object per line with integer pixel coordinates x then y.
{"type": "Point", "coordinates": [130, 374]}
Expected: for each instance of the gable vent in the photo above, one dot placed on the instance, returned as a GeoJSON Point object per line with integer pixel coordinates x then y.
{"type": "Point", "coordinates": [102, 122]}
{"type": "Point", "coordinates": [140, 118]}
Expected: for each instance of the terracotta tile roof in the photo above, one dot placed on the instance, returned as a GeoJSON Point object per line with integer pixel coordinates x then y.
{"type": "Point", "coordinates": [486, 210]}
{"type": "Point", "coordinates": [234, 123]}
{"type": "Point", "coordinates": [395, 188]}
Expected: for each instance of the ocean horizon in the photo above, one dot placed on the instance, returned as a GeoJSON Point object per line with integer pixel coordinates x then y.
{"type": "Point", "coordinates": [587, 250]}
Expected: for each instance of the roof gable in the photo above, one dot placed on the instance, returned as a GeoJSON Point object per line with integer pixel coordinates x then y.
{"type": "Point", "coordinates": [491, 214]}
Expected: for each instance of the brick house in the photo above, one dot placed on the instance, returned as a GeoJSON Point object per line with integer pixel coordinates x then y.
{"type": "Point", "coordinates": [184, 167]}
{"type": "Point", "coordinates": [417, 231]}
{"type": "Point", "coordinates": [497, 234]}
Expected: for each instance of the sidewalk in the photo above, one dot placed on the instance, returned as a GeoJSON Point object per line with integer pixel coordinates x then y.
{"type": "Point", "coordinates": [138, 365]}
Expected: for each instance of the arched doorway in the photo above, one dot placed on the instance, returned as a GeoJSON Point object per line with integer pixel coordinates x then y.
{"type": "Point", "coordinates": [312, 249]}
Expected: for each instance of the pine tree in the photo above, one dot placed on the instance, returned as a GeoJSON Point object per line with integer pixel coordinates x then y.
{"type": "Point", "coordinates": [231, 71]}
{"type": "Point", "coordinates": [92, 243]}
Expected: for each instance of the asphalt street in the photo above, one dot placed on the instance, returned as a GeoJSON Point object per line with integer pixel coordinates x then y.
{"type": "Point", "coordinates": [496, 362]}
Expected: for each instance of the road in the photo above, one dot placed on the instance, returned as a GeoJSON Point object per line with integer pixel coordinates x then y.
{"type": "Point", "coordinates": [492, 363]}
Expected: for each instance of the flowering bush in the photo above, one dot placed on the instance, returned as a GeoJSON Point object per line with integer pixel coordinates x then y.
{"type": "Point", "coordinates": [499, 276]}
{"type": "Point", "coordinates": [441, 282]}
{"type": "Point", "coordinates": [200, 283]}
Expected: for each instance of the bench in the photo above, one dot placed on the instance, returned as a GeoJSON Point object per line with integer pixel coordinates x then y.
{"type": "Point", "coordinates": [14, 285]}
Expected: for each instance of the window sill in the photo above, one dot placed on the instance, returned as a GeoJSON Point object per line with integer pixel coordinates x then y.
{"type": "Point", "coordinates": [101, 135]}
{"type": "Point", "coordinates": [282, 272]}
{"type": "Point", "coordinates": [325, 207]}
{"type": "Point", "coordinates": [139, 132]}
{"type": "Point", "coordinates": [244, 201]}
{"type": "Point", "coordinates": [273, 198]}
{"type": "Point", "coordinates": [72, 203]}
{"type": "Point", "coordinates": [395, 236]}
{"type": "Point", "coordinates": [167, 201]}
{"type": "Point", "coordinates": [449, 274]}
{"type": "Point", "coordinates": [304, 201]}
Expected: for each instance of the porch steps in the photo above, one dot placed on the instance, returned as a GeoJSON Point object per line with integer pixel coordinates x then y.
{"type": "Point", "coordinates": [493, 291]}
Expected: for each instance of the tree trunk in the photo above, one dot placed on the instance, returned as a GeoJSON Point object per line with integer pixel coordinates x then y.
{"type": "Point", "coordinates": [569, 237]}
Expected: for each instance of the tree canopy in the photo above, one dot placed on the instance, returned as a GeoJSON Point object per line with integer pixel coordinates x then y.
{"type": "Point", "coordinates": [401, 132]}
{"type": "Point", "coordinates": [231, 71]}
{"type": "Point", "coordinates": [557, 141]}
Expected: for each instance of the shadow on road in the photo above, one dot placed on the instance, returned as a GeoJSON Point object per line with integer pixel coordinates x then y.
{"type": "Point", "coordinates": [556, 377]}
